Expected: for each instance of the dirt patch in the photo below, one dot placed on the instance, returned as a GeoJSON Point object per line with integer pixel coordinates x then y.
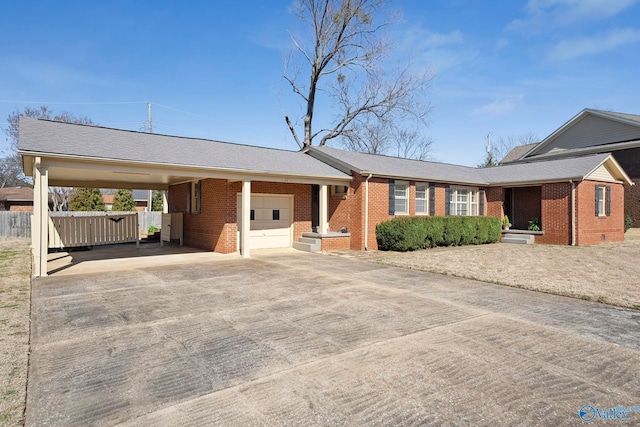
{"type": "Point", "coordinates": [15, 297]}
{"type": "Point", "coordinates": [608, 273]}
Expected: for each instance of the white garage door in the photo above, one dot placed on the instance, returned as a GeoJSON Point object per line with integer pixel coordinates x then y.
{"type": "Point", "coordinates": [270, 221]}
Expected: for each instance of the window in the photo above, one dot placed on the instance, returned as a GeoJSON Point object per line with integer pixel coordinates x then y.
{"type": "Point", "coordinates": [252, 215]}
{"type": "Point", "coordinates": [421, 198]}
{"type": "Point", "coordinates": [194, 198]}
{"type": "Point", "coordinates": [275, 215]}
{"type": "Point", "coordinates": [603, 200]}
{"type": "Point", "coordinates": [339, 190]}
{"type": "Point", "coordinates": [463, 201]}
{"type": "Point", "coordinates": [401, 198]}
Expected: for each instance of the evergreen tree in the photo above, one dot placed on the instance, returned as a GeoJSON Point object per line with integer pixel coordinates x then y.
{"type": "Point", "coordinates": [123, 201]}
{"type": "Point", "coordinates": [156, 202]}
{"type": "Point", "coordinates": [87, 199]}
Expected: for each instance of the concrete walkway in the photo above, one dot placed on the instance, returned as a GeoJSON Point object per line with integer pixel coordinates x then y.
{"type": "Point", "coordinates": [289, 338]}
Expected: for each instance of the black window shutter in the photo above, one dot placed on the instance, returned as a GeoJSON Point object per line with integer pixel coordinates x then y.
{"type": "Point", "coordinates": [392, 197]}
{"type": "Point", "coordinates": [447, 201]}
{"type": "Point", "coordinates": [481, 196]}
{"type": "Point", "coordinates": [597, 191]}
{"type": "Point", "coordinates": [432, 199]}
{"type": "Point", "coordinates": [608, 208]}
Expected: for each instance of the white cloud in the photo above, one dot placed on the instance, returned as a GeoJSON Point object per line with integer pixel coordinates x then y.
{"type": "Point", "coordinates": [560, 13]}
{"type": "Point", "coordinates": [499, 107]}
{"type": "Point", "coordinates": [501, 44]}
{"type": "Point", "coordinates": [438, 51]}
{"type": "Point", "coordinates": [571, 49]}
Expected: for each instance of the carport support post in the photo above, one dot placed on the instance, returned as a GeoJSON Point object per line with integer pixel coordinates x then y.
{"type": "Point", "coordinates": [165, 202]}
{"type": "Point", "coordinates": [246, 219]}
{"type": "Point", "coordinates": [323, 210]}
{"type": "Point", "coordinates": [40, 218]}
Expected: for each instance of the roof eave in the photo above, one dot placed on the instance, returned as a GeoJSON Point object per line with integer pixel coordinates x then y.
{"type": "Point", "coordinates": [425, 179]}
{"type": "Point", "coordinates": [178, 166]}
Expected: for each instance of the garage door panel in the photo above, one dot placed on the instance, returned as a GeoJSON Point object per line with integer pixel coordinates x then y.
{"type": "Point", "coordinates": [265, 231]}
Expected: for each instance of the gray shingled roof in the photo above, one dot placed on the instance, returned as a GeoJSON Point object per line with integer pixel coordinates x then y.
{"type": "Point", "coordinates": [631, 117]}
{"type": "Point", "coordinates": [552, 170]}
{"type": "Point", "coordinates": [42, 136]}
{"type": "Point", "coordinates": [543, 171]}
{"type": "Point", "coordinates": [404, 168]}
{"type": "Point", "coordinates": [517, 152]}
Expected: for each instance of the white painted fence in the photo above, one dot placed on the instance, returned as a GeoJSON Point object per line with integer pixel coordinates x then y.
{"type": "Point", "coordinates": [68, 231]}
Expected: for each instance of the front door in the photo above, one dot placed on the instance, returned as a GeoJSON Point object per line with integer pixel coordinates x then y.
{"type": "Point", "coordinates": [315, 207]}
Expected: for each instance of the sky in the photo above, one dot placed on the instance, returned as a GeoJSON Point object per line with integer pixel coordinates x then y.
{"type": "Point", "coordinates": [214, 69]}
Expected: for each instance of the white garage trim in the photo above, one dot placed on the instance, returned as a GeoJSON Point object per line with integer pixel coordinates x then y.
{"type": "Point", "coordinates": [271, 223]}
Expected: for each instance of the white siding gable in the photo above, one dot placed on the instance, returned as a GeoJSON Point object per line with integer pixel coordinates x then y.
{"type": "Point", "coordinates": [602, 173]}
{"type": "Point", "coordinates": [590, 131]}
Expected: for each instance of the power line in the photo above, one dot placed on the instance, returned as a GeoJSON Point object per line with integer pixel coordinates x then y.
{"type": "Point", "coordinates": [5, 101]}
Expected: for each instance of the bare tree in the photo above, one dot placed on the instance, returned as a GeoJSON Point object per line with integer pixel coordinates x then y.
{"type": "Point", "coordinates": [378, 138]}
{"type": "Point", "coordinates": [61, 197]}
{"type": "Point", "coordinates": [500, 147]}
{"type": "Point", "coordinates": [412, 145]}
{"type": "Point", "coordinates": [366, 137]}
{"type": "Point", "coordinates": [347, 49]}
{"type": "Point", "coordinates": [11, 165]}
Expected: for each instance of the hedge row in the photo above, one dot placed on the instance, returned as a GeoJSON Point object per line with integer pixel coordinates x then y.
{"type": "Point", "coordinates": [411, 233]}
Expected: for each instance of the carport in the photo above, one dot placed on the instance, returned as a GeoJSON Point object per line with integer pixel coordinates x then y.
{"type": "Point", "coordinates": [73, 155]}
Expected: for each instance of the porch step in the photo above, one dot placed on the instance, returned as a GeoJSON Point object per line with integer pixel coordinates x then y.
{"type": "Point", "coordinates": [523, 239]}
{"type": "Point", "coordinates": [308, 244]}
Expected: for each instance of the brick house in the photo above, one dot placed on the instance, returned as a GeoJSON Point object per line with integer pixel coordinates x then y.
{"type": "Point", "coordinates": [593, 131]}
{"type": "Point", "coordinates": [18, 199]}
{"type": "Point", "coordinates": [578, 200]}
{"type": "Point", "coordinates": [238, 197]}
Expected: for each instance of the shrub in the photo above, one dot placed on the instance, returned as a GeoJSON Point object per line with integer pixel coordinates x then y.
{"type": "Point", "coordinates": [534, 224]}
{"type": "Point", "coordinates": [628, 222]}
{"type": "Point", "coordinates": [411, 233]}
{"type": "Point", "coordinates": [152, 229]}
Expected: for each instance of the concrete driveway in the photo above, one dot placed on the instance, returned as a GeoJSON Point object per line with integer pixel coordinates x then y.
{"type": "Point", "coordinates": [289, 338]}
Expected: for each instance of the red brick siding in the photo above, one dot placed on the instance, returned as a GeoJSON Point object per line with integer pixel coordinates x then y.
{"type": "Point", "coordinates": [594, 229]}
{"type": "Point", "coordinates": [526, 205]}
{"type": "Point", "coordinates": [336, 243]}
{"type": "Point", "coordinates": [495, 200]}
{"type": "Point", "coordinates": [632, 202]}
{"type": "Point", "coordinates": [215, 227]}
{"type": "Point", "coordinates": [339, 210]}
{"type": "Point", "coordinates": [556, 214]}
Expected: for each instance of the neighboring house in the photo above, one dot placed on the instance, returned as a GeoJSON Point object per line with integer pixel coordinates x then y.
{"type": "Point", "coordinates": [238, 197]}
{"type": "Point", "coordinates": [593, 131]}
{"type": "Point", "coordinates": [141, 197]}
{"type": "Point", "coordinates": [17, 199]}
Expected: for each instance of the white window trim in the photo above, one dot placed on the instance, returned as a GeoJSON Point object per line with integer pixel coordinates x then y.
{"type": "Point", "coordinates": [406, 198]}
{"type": "Point", "coordinates": [337, 190]}
{"type": "Point", "coordinates": [453, 204]}
{"type": "Point", "coordinates": [602, 201]}
{"type": "Point", "coordinates": [426, 198]}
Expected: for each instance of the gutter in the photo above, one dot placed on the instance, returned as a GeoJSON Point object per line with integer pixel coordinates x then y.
{"type": "Point", "coordinates": [366, 212]}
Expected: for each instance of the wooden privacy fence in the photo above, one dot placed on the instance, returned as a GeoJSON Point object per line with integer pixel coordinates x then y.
{"type": "Point", "coordinates": [103, 229]}
{"type": "Point", "coordinates": [15, 224]}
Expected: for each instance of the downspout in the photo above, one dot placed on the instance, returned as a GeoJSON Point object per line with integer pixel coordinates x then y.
{"type": "Point", "coordinates": [573, 212]}
{"type": "Point", "coordinates": [366, 212]}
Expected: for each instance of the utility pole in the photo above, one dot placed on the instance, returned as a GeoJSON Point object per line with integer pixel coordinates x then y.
{"type": "Point", "coordinates": [150, 120]}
